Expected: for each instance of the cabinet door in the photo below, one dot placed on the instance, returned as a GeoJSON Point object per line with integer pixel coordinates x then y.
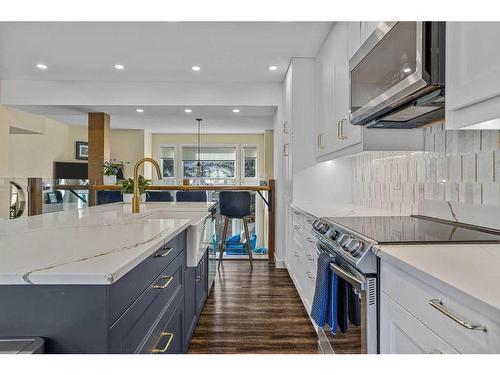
{"type": "Point", "coordinates": [472, 73]}
{"type": "Point", "coordinates": [190, 316]}
{"type": "Point", "coordinates": [348, 134]}
{"type": "Point", "coordinates": [201, 283]}
{"type": "Point", "coordinates": [326, 129]}
{"type": "Point", "coordinates": [402, 333]}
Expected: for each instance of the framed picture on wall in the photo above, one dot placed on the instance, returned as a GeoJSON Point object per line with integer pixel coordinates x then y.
{"type": "Point", "coordinates": [82, 150]}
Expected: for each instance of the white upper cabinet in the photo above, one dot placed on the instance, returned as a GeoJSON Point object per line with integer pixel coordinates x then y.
{"type": "Point", "coordinates": [335, 135]}
{"type": "Point", "coordinates": [472, 75]}
{"type": "Point", "coordinates": [299, 114]}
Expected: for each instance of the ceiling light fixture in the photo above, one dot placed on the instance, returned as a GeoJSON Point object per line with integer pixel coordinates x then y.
{"type": "Point", "coordinates": [406, 70]}
{"type": "Point", "coordinates": [187, 110]}
{"type": "Point", "coordinates": [195, 68]}
{"type": "Point", "coordinates": [119, 67]}
{"type": "Point", "coordinates": [236, 110]}
{"type": "Point", "coordinates": [272, 68]}
{"type": "Point", "coordinates": [42, 66]}
{"type": "Point", "coordinates": [139, 110]}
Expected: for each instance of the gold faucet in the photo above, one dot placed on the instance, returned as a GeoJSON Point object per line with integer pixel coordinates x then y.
{"type": "Point", "coordinates": [136, 199]}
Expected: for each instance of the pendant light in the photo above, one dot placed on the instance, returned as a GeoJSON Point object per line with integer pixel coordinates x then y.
{"type": "Point", "coordinates": [199, 180]}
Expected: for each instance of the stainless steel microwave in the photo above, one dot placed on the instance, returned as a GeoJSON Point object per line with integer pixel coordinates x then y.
{"type": "Point", "coordinates": [397, 76]}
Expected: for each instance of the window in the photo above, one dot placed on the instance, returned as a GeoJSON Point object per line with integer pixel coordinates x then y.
{"type": "Point", "coordinates": [216, 161]}
{"type": "Point", "coordinates": [167, 161]}
{"type": "Point", "coordinates": [249, 156]}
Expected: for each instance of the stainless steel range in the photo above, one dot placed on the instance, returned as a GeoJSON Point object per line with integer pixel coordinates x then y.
{"type": "Point", "coordinates": [355, 263]}
{"type": "Point", "coordinates": [351, 242]}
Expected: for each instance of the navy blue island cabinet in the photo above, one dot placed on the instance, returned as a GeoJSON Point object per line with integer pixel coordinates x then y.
{"type": "Point", "coordinates": [153, 308]}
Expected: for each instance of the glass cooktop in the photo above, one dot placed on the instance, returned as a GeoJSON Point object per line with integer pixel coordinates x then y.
{"type": "Point", "coordinates": [411, 229]}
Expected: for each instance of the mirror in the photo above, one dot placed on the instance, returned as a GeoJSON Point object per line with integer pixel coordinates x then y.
{"type": "Point", "coordinates": [17, 200]}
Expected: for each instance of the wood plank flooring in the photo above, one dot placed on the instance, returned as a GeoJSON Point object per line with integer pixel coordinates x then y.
{"type": "Point", "coordinates": [255, 311]}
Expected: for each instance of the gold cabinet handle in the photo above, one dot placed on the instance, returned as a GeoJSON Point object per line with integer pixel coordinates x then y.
{"type": "Point", "coordinates": [320, 141]}
{"type": "Point", "coordinates": [161, 255]}
{"type": "Point", "coordinates": [341, 123]}
{"type": "Point", "coordinates": [169, 337]}
{"type": "Point", "coordinates": [168, 280]}
{"type": "Point", "coordinates": [338, 130]}
{"type": "Point", "coordinates": [438, 305]}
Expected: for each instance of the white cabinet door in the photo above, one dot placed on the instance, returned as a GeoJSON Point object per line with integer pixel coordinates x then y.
{"type": "Point", "coordinates": [348, 134]}
{"type": "Point", "coordinates": [472, 73]}
{"type": "Point", "coordinates": [402, 333]}
{"type": "Point", "coordinates": [324, 76]}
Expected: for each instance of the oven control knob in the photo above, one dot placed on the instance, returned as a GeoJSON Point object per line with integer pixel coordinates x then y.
{"type": "Point", "coordinates": [354, 246]}
{"type": "Point", "coordinates": [334, 235]}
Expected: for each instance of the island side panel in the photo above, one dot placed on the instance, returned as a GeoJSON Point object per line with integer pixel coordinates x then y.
{"type": "Point", "coordinates": [71, 318]}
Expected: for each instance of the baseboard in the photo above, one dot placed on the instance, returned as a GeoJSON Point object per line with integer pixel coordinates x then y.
{"type": "Point", "coordinates": [280, 263]}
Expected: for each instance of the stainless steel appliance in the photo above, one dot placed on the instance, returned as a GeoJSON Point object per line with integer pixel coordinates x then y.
{"type": "Point", "coordinates": [353, 242]}
{"type": "Point", "coordinates": [352, 261]}
{"type": "Point", "coordinates": [398, 76]}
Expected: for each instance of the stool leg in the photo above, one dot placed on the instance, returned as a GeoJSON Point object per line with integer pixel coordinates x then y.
{"type": "Point", "coordinates": [249, 246]}
{"type": "Point", "coordinates": [223, 240]}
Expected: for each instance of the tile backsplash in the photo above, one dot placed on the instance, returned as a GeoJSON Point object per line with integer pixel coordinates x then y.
{"type": "Point", "coordinates": [456, 166]}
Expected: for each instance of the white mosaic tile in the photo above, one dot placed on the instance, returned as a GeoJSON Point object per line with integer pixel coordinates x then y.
{"type": "Point", "coordinates": [490, 140]}
{"type": "Point", "coordinates": [469, 168]}
{"type": "Point", "coordinates": [491, 194]}
{"type": "Point", "coordinates": [485, 166]}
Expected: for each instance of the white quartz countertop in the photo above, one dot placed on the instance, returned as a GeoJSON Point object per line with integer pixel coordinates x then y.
{"type": "Point", "coordinates": [322, 210]}
{"type": "Point", "coordinates": [471, 269]}
{"type": "Point", "coordinates": [96, 245]}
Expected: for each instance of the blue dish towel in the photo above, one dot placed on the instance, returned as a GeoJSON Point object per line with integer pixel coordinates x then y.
{"type": "Point", "coordinates": [320, 301]}
{"type": "Point", "coordinates": [343, 306]}
{"type": "Point", "coordinates": [331, 315]}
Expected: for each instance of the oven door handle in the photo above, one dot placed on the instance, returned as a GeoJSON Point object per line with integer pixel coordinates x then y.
{"type": "Point", "coordinates": [357, 283]}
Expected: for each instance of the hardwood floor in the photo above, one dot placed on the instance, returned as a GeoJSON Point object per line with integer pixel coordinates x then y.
{"type": "Point", "coordinates": [255, 311]}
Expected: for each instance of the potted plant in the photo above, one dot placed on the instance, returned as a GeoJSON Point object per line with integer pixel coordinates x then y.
{"type": "Point", "coordinates": [110, 169]}
{"type": "Point", "coordinates": [127, 189]}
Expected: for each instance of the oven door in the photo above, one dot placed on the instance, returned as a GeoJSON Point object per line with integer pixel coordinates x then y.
{"type": "Point", "coordinates": [361, 334]}
{"type": "Point", "coordinates": [386, 69]}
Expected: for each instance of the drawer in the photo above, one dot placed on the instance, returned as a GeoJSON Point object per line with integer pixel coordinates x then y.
{"type": "Point", "coordinates": [415, 296]}
{"type": "Point", "coordinates": [402, 333]}
{"type": "Point", "coordinates": [167, 336]}
{"type": "Point", "coordinates": [126, 290]}
{"type": "Point", "coordinates": [133, 326]}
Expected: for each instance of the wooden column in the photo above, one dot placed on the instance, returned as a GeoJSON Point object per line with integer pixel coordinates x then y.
{"type": "Point", "coordinates": [35, 196]}
{"type": "Point", "coordinates": [98, 138]}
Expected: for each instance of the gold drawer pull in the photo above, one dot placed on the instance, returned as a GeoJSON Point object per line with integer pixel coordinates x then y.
{"type": "Point", "coordinates": [165, 348]}
{"type": "Point", "coordinates": [161, 255]}
{"type": "Point", "coordinates": [168, 280]}
{"type": "Point", "coordinates": [438, 305]}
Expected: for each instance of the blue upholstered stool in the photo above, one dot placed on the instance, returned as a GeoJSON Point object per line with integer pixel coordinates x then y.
{"type": "Point", "coordinates": [158, 196]}
{"type": "Point", "coordinates": [191, 196]}
{"type": "Point", "coordinates": [235, 205]}
{"type": "Point", "coordinates": [109, 196]}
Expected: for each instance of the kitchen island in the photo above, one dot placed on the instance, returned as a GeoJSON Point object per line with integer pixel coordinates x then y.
{"type": "Point", "coordinates": [100, 280]}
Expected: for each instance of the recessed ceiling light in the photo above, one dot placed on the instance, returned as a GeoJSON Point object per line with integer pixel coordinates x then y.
{"type": "Point", "coordinates": [236, 110]}
{"type": "Point", "coordinates": [42, 66]}
{"type": "Point", "coordinates": [195, 68]}
{"type": "Point", "coordinates": [139, 110]}
{"type": "Point", "coordinates": [272, 67]}
{"type": "Point", "coordinates": [119, 67]}
{"type": "Point", "coordinates": [187, 110]}
{"type": "Point", "coordinates": [406, 70]}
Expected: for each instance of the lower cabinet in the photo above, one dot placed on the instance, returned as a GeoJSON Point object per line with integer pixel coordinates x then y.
{"type": "Point", "coordinates": [151, 309]}
{"type": "Point", "coordinates": [195, 295]}
{"type": "Point", "coordinates": [402, 333]}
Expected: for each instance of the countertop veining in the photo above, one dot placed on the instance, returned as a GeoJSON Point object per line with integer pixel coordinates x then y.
{"type": "Point", "coordinates": [96, 245]}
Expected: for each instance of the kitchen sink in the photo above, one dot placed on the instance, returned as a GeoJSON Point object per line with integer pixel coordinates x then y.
{"type": "Point", "coordinates": [199, 232]}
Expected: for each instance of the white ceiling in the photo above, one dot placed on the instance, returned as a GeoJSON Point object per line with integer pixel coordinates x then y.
{"type": "Point", "coordinates": [155, 51]}
{"type": "Point", "coordinates": [166, 119]}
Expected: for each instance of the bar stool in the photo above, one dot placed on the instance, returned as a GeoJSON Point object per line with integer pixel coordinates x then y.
{"type": "Point", "coordinates": [191, 196]}
{"type": "Point", "coordinates": [235, 205]}
{"type": "Point", "coordinates": [158, 196]}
